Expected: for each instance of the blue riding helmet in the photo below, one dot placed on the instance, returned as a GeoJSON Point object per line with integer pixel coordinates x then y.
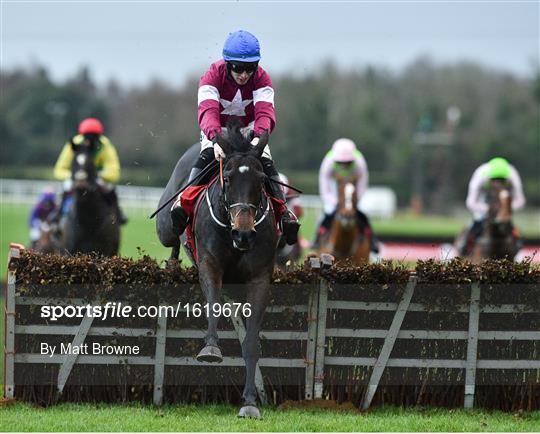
{"type": "Point", "coordinates": [241, 46]}
{"type": "Point", "coordinates": [47, 196]}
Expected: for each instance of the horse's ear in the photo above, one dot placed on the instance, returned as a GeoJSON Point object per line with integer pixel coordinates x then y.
{"type": "Point", "coordinates": [225, 145]}
{"type": "Point", "coordinates": [259, 148]}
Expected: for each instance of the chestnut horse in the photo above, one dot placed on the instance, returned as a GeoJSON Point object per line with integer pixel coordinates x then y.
{"type": "Point", "coordinates": [497, 240]}
{"type": "Point", "coordinates": [345, 240]}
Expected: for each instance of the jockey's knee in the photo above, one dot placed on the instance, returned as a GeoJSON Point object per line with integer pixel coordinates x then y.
{"type": "Point", "coordinates": [67, 186]}
{"type": "Point", "coordinates": [205, 158]}
{"type": "Point", "coordinates": [269, 168]}
{"type": "Point", "coordinates": [362, 219]}
{"type": "Point", "coordinates": [327, 220]}
{"type": "Point", "coordinates": [476, 227]}
{"type": "Point", "coordinates": [35, 233]}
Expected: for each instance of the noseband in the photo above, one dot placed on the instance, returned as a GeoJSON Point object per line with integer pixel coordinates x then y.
{"type": "Point", "coordinates": [242, 206]}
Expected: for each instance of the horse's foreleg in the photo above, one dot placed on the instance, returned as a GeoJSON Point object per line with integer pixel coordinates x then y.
{"type": "Point", "coordinates": [172, 262]}
{"type": "Point", "coordinates": [210, 278]}
{"type": "Point", "coordinates": [257, 299]}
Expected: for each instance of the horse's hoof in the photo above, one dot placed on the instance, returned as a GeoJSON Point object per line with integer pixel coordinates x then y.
{"type": "Point", "coordinates": [172, 264]}
{"type": "Point", "coordinates": [210, 354]}
{"type": "Point", "coordinates": [249, 411]}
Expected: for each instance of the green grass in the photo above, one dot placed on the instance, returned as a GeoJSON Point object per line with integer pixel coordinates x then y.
{"type": "Point", "coordinates": [101, 417]}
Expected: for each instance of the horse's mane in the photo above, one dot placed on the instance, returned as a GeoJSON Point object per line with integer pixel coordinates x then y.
{"type": "Point", "coordinates": [235, 137]}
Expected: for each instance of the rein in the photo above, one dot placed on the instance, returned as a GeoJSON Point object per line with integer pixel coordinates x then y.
{"type": "Point", "coordinates": [221, 171]}
{"type": "Point", "coordinates": [241, 205]}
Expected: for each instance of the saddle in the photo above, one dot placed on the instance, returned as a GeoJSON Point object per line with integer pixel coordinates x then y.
{"type": "Point", "coordinates": [192, 198]}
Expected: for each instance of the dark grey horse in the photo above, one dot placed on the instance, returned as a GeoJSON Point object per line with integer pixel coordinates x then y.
{"type": "Point", "coordinates": [91, 224]}
{"type": "Point", "coordinates": [236, 240]}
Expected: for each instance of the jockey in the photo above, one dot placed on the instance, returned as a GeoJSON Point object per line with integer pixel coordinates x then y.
{"type": "Point", "coordinates": [45, 206]}
{"type": "Point", "coordinates": [343, 160]}
{"type": "Point", "coordinates": [105, 160]}
{"type": "Point", "coordinates": [496, 168]}
{"type": "Point", "coordinates": [236, 86]}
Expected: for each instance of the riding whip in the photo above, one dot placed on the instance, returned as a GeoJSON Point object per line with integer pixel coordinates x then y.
{"type": "Point", "coordinates": [285, 185]}
{"type": "Point", "coordinates": [180, 190]}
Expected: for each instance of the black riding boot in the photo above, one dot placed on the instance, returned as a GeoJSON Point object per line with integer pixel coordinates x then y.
{"type": "Point", "coordinates": [324, 227]}
{"type": "Point", "coordinates": [363, 222]}
{"type": "Point", "coordinates": [56, 215]}
{"type": "Point", "coordinates": [289, 222]}
{"type": "Point", "coordinates": [179, 216]}
{"type": "Point", "coordinates": [468, 240]}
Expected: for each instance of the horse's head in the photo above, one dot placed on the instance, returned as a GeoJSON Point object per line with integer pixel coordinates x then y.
{"type": "Point", "coordinates": [347, 198]}
{"type": "Point", "coordinates": [243, 185]}
{"type": "Point", "coordinates": [499, 198]}
{"type": "Point", "coordinates": [83, 170]}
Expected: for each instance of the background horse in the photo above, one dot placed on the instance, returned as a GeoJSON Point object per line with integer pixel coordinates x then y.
{"type": "Point", "coordinates": [91, 224]}
{"type": "Point", "coordinates": [497, 240]}
{"type": "Point", "coordinates": [236, 240]}
{"type": "Point", "coordinates": [344, 240]}
{"type": "Point", "coordinates": [49, 239]}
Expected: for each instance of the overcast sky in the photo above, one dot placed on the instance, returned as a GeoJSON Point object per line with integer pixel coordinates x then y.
{"type": "Point", "coordinates": [171, 40]}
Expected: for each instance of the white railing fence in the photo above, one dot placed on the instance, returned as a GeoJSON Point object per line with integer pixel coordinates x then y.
{"type": "Point", "coordinates": [377, 201]}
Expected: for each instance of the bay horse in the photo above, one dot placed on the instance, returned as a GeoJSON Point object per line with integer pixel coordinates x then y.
{"type": "Point", "coordinates": [497, 240]}
{"type": "Point", "coordinates": [236, 240]}
{"type": "Point", "coordinates": [345, 240]}
{"type": "Point", "coordinates": [91, 225]}
{"type": "Point", "coordinates": [49, 240]}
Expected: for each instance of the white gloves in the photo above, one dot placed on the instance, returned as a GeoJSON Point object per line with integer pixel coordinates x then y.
{"type": "Point", "coordinates": [218, 152]}
{"type": "Point", "coordinates": [106, 186]}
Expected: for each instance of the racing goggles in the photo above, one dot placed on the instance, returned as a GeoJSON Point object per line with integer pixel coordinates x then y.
{"type": "Point", "coordinates": [239, 67]}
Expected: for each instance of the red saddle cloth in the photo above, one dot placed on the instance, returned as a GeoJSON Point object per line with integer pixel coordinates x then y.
{"type": "Point", "coordinates": [191, 199]}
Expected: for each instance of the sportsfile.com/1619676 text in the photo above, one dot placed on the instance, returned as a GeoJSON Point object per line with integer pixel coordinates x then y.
{"type": "Point", "coordinates": [122, 310]}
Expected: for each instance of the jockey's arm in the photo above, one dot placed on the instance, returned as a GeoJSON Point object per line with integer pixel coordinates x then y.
{"type": "Point", "coordinates": [62, 168]}
{"type": "Point", "coordinates": [208, 103]}
{"type": "Point", "coordinates": [326, 190]}
{"type": "Point", "coordinates": [474, 201]}
{"type": "Point", "coordinates": [110, 171]}
{"type": "Point", "coordinates": [518, 198]}
{"type": "Point", "coordinates": [363, 176]}
{"type": "Point", "coordinates": [263, 103]}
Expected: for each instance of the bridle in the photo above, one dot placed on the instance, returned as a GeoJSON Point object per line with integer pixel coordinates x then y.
{"type": "Point", "coordinates": [83, 172]}
{"type": "Point", "coordinates": [260, 208]}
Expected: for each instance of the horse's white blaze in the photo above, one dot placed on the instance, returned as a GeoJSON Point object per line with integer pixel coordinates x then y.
{"type": "Point", "coordinates": [349, 191]}
{"type": "Point", "coordinates": [243, 169]}
{"type": "Point", "coordinates": [504, 194]}
{"type": "Point", "coordinates": [81, 159]}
